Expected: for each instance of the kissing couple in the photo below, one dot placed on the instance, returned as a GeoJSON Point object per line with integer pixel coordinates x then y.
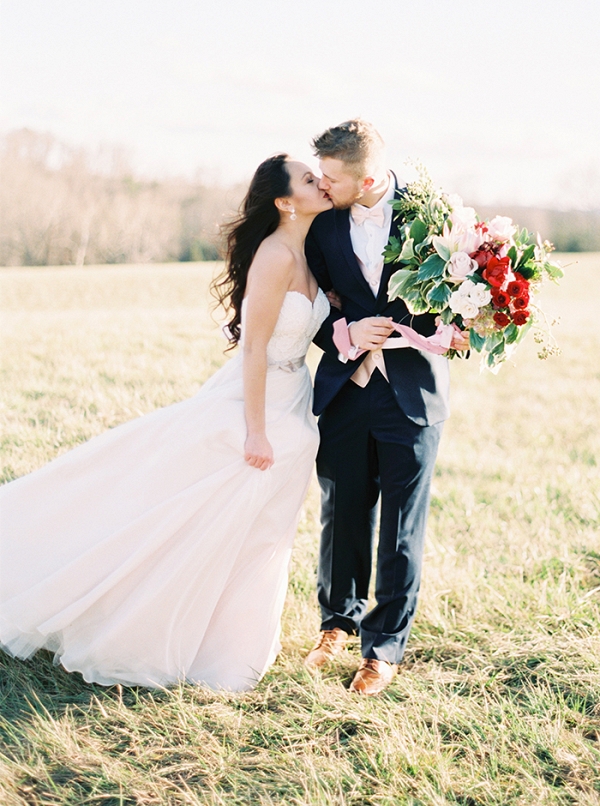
{"type": "Point", "coordinates": [159, 550]}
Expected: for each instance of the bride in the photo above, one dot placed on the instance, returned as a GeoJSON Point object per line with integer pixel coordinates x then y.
{"type": "Point", "coordinates": [158, 551]}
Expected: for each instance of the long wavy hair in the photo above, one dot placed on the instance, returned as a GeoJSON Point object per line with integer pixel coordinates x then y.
{"type": "Point", "coordinates": [258, 218]}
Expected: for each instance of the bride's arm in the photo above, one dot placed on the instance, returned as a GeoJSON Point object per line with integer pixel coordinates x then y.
{"type": "Point", "coordinates": [268, 280]}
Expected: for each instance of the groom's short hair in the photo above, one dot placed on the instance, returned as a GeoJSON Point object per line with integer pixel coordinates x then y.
{"type": "Point", "coordinates": [356, 142]}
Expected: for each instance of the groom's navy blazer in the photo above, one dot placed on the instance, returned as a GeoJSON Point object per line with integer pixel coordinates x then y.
{"type": "Point", "coordinates": [420, 381]}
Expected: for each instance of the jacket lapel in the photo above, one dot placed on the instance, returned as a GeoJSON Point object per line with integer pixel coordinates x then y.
{"type": "Point", "coordinates": [342, 223]}
{"type": "Point", "coordinates": [388, 268]}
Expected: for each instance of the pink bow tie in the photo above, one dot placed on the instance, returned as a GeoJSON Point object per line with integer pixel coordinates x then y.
{"type": "Point", "coordinates": [374, 214]}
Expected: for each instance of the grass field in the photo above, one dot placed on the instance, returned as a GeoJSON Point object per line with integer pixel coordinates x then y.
{"type": "Point", "coordinates": [498, 701]}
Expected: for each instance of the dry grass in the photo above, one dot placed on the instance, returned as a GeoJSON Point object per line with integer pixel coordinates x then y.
{"type": "Point", "coordinates": [499, 699]}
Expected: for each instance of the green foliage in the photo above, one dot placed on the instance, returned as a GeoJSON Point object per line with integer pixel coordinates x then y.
{"type": "Point", "coordinates": [197, 249]}
{"type": "Point", "coordinates": [431, 268]}
{"type": "Point", "coordinates": [438, 296]}
{"type": "Point", "coordinates": [477, 342]}
{"type": "Point", "coordinates": [392, 249]}
{"type": "Point", "coordinates": [407, 252]}
{"type": "Point", "coordinates": [402, 282]}
{"type": "Point", "coordinates": [528, 272]}
{"type": "Point", "coordinates": [526, 256]}
{"type": "Point", "coordinates": [442, 250]}
{"type": "Point", "coordinates": [553, 271]}
{"type": "Point", "coordinates": [418, 230]}
{"type": "Point", "coordinates": [511, 333]}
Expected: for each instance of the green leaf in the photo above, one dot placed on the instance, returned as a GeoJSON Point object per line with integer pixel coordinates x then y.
{"type": "Point", "coordinates": [527, 271]}
{"type": "Point", "coordinates": [527, 255]}
{"type": "Point", "coordinates": [512, 253]}
{"type": "Point", "coordinates": [438, 296]}
{"type": "Point", "coordinates": [407, 252]}
{"type": "Point", "coordinates": [553, 270]}
{"type": "Point", "coordinates": [511, 333]}
{"type": "Point", "coordinates": [494, 358]}
{"type": "Point", "coordinates": [476, 341]}
{"type": "Point", "coordinates": [433, 267]}
{"type": "Point", "coordinates": [441, 248]}
{"type": "Point", "coordinates": [524, 329]}
{"type": "Point", "coordinates": [418, 230]}
{"type": "Point", "coordinates": [415, 303]}
{"type": "Point", "coordinates": [401, 282]}
{"type": "Point", "coordinates": [447, 316]}
{"type": "Point", "coordinates": [493, 340]}
{"type": "Point", "coordinates": [499, 348]}
{"type": "Point", "coordinates": [392, 249]}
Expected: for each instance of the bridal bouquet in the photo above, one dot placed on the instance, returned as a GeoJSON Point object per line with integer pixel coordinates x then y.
{"type": "Point", "coordinates": [479, 276]}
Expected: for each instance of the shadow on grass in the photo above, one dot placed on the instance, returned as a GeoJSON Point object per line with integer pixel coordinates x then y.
{"type": "Point", "coordinates": [27, 685]}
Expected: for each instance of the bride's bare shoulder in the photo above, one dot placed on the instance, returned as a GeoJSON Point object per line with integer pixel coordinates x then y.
{"type": "Point", "coordinates": [273, 259]}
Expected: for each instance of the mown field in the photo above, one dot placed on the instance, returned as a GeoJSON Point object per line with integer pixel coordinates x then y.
{"type": "Point", "coordinates": [498, 701]}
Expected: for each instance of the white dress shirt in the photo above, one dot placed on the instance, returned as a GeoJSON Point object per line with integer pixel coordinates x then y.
{"type": "Point", "coordinates": [369, 239]}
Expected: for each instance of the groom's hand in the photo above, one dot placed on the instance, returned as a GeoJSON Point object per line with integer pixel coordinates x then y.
{"type": "Point", "coordinates": [460, 340]}
{"type": "Point", "coordinates": [371, 332]}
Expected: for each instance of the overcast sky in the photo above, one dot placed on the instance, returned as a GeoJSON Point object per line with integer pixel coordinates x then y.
{"type": "Point", "coordinates": [500, 99]}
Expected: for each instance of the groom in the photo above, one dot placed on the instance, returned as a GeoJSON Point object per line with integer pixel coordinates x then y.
{"type": "Point", "coordinates": [381, 415]}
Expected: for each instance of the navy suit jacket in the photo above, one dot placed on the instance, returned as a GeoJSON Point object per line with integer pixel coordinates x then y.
{"type": "Point", "coordinates": [419, 381]}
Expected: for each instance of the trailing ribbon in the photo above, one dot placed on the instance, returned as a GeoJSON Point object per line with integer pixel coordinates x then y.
{"type": "Point", "coordinates": [438, 344]}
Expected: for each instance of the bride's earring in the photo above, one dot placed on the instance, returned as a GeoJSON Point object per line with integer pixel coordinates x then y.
{"type": "Point", "coordinates": [293, 215]}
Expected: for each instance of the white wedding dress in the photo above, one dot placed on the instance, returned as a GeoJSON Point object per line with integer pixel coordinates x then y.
{"type": "Point", "coordinates": [154, 553]}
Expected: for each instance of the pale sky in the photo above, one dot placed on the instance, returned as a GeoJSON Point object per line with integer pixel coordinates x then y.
{"type": "Point", "coordinates": [501, 100]}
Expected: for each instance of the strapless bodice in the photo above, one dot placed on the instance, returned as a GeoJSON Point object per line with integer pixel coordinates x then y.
{"type": "Point", "coordinates": [297, 324]}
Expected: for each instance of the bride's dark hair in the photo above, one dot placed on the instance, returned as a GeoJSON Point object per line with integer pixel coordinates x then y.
{"type": "Point", "coordinates": [259, 217]}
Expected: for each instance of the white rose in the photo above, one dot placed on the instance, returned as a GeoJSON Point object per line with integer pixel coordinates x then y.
{"type": "Point", "coordinates": [459, 266]}
{"type": "Point", "coordinates": [461, 304]}
{"type": "Point", "coordinates": [480, 295]}
{"type": "Point", "coordinates": [501, 229]}
{"type": "Point", "coordinates": [467, 287]}
{"type": "Point", "coordinates": [469, 310]}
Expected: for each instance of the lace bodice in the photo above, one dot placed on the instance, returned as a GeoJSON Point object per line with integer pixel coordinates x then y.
{"type": "Point", "coordinates": [298, 322]}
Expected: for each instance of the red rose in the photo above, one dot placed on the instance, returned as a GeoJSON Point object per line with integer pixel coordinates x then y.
{"type": "Point", "coordinates": [520, 303]}
{"type": "Point", "coordinates": [500, 298]}
{"type": "Point", "coordinates": [516, 288]}
{"type": "Point", "coordinates": [496, 270]}
{"type": "Point", "coordinates": [481, 257]}
{"type": "Point", "coordinates": [520, 317]}
{"type": "Point", "coordinates": [502, 319]}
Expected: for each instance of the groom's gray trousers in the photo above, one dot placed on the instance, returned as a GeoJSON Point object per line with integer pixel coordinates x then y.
{"type": "Point", "coordinates": [370, 450]}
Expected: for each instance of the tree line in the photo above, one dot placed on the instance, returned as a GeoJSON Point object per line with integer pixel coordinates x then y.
{"type": "Point", "coordinates": [62, 205]}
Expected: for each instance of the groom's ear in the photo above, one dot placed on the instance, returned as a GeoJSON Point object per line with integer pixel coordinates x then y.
{"type": "Point", "coordinates": [368, 183]}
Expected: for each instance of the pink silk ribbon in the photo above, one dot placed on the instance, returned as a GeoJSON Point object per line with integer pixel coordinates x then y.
{"type": "Point", "coordinates": [438, 344]}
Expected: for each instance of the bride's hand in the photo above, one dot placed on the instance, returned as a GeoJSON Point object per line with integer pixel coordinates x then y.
{"type": "Point", "coordinates": [334, 299]}
{"type": "Point", "coordinates": [258, 451]}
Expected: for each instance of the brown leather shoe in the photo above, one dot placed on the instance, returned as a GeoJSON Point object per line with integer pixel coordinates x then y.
{"type": "Point", "coordinates": [330, 644]}
{"type": "Point", "coordinates": [373, 676]}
